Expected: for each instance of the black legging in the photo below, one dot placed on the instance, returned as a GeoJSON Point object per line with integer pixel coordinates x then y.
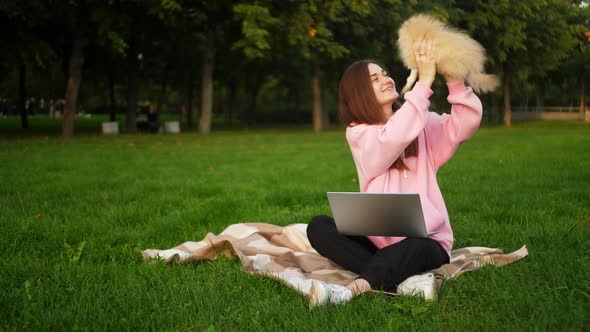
{"type": "Point", "coordinates": [384, 268]}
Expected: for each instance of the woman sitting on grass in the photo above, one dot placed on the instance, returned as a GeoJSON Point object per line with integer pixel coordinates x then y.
{"type": "Point", "coordinates": [395, 151]}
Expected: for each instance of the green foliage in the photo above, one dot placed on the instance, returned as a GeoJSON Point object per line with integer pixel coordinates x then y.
{"type": "Point", "coordinates": [109, 32]}
{"type": "Point", "coordinates": [310, 28]}
{"type": "Point", "coordinates": [256, 21]}
{"type": "Point", "coordinates": [20, 25]}
{"type": "Point", "coordinates": [531, 37]}
{"type": "Point", "coordinates": [170, 6]}
{"type": "Point", "coordinates": [539, 44]}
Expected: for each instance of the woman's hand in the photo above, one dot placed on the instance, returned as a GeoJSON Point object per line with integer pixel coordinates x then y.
{"type": "Point", "coordinates": [425, 62]}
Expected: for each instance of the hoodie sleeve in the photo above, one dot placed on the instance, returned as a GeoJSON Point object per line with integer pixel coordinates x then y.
{"type": "Point", "coordinates": [446, 132]}
{"type": "Point", "coordinates": [375, 147]}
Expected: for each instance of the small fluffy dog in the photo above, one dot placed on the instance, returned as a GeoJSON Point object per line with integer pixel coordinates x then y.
{"type": "Point", "coordinates": [455, 53]}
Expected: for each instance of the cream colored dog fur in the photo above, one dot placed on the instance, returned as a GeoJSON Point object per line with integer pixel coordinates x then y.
{"type": "Point", "coordinates": [455, 53]}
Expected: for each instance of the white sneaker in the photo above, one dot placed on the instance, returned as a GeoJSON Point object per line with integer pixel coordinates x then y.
{"type": "Point", "coordinates": [321, 293]}
{"type": "Point", "coordinates": [422, 285]}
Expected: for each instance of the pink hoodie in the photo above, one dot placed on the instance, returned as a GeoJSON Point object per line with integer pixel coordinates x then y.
{"type": "Point", "coordinates": [375, 148]}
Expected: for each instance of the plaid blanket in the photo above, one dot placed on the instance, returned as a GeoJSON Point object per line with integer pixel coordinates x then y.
{"type": "Point", "coordinates": [284, 253]}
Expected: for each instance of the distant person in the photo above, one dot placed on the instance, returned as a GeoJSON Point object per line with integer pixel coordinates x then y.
{"type": "Point", "coordinates": [42, 105]}
{"type": "Point", "coordinates": [51, 109]}
{"type": "Point", "coordinates": [395, 151]}
{"type": "Point", "coordinates": [33, 107]}
{"type": "Point", "coordinates": [150, 123]}
{"type": "Point", "coordinates": [152, 118]}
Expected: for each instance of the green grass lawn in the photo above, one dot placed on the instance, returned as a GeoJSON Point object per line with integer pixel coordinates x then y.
{"type": "Point", "coordinates": [75, 215]}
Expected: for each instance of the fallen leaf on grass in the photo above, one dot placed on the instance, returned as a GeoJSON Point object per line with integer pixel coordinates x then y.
{"type": "Point", "coordinates": [38, 216]}
{"type": "Point", "coordinates": [210, 168]}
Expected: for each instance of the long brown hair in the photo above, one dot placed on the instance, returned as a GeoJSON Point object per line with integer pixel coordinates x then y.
{"type": "Point", "coordinates": [358, 104]}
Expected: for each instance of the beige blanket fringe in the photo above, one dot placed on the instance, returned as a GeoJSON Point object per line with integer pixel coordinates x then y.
{"type": "Point", "coordinates": [284, 253]}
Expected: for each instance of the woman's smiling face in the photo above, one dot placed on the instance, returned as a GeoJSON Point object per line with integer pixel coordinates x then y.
{"type": "Point", "coordinates": [383, 86]}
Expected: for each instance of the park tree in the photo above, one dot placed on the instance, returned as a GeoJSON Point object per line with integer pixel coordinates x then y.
{"type": "Point", "coordinates": [550, 39]}
{"type": "Point", "coordinates": [525, 39]}
{"type": "Point", "coordinates": [77, 20]}
{"type": "Point", "coordinates": [501, 28]}
{"type": "Point", "coordinates": [80, 21]}
{"type": "Point", "coordinates": [229, 28]}
{"type": "Point", "coordinates": [582, 64]}
{"type": "Point", "coordinates": [331, 35]}
{"type": "Point", "coordinates": [22, 28]}
{"type": "Point", "coordinates": [184, 28]}
{"type": "Point", "coordinates": [309, 27]}
{"type": "Point", "coordinates": [256, 52]}
{"type": "Point", "coordinates": [131, 27]}
{"type": "Point", "coordinates": [73, 25]}
{"type": "Point", "coordinates": [160, 42]}
{"type": "Point", "coordinates": [235, 52]}
{"type": "Point", "coordinates": [214, 34]}
{"type": "Point", "coordinates": [574, 71]}
{"type": "Point", "coordinates": [103, 69]}
{"type": "Point", "coordinates": [371, 31]}
{"type": "Point", "coordinates": [121, 28]}
{"type": "Point", "coordinates": [578, 64]}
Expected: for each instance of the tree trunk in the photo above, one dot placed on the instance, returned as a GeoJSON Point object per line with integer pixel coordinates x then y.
{"type": "Point", "coordinates": [190, 87]}
{"type": "Point", "coordinates": [207, 86]}
{"type": "Point", "coordinates": [525, 104]}
{"type": "Point", "coordinates": [65, 64]}
{"type": "Point", "coordinates": [132, 84]}
{"type": "Point", "coordinates": [583, 98]}
{"type": "Point", "coordinates": [540, 97]}
{"type": "Point", "coordinates": [132, 72]}
{"type": "Point", "coordinates": [22, 95]}
{"type": "Point", "coordinates": [254, 87]}
{"type": "Point", "coordinates": [297, 102]}
{"type": "Point", "coordinates": [507, 107]}
{"type": "Point", "coordinates": [317, 98]}
{"type": "Point", "coordinates": [252, 104]}
{"type": "Point", "coordinates": [75, 76]}
{"type": "Point", "coordinates": [218, 104]}
{"type": "Point", "coordinates": [231, 102]}
{"type": "Point", "coordinates": [486, 117]}
{"type": "Point", "coordinates": [113, 104]}
{"type": "Point", "coordinates": [163, 88]}
{"type": "Point", "coordinates": [497, 109]}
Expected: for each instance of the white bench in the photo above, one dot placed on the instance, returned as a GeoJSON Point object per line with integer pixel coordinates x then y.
{"type": "Point", "coordinates": [172, 127]}
{"type": "Point", "coordinates": [110, 128]}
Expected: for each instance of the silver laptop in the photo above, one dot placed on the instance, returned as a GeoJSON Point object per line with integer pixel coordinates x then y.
{"type": "Point", "coordinates": [378, 214]}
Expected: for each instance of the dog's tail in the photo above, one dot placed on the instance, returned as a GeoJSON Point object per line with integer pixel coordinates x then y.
{"type": "Point", "coordinates": [483, 82]}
